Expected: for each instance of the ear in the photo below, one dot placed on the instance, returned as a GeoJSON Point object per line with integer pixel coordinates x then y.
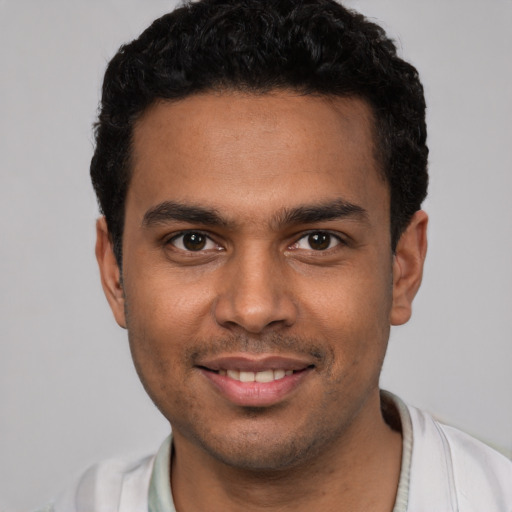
{"type": "Point", "coordinates": [408, 267]}
{"type": "Point", "coordinates": [109, 271]}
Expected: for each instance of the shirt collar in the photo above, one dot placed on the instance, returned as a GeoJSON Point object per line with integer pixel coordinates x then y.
{"type": "Point", "coordinates": [160, 496]}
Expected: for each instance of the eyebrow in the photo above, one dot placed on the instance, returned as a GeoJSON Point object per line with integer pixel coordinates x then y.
{"type": "Point", "coordinates": [169, 211]}
{"type": "Point", "coordinates": [311, 214]}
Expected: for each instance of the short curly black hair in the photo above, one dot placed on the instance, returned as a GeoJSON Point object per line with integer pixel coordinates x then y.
{"type": "Point", "coordinates": [257, 46]}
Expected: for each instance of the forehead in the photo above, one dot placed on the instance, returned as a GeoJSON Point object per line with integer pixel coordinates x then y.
{"type": "Point", "coordinates": [223, 148]}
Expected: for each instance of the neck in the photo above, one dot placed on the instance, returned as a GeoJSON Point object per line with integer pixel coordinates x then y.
{"type": "Point", "coordinates": [359, 472]}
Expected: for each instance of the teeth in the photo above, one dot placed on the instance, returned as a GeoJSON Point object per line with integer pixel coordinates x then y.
{"type": "Point", "coordinates": [246, 376]}
{"type": "Point", "coordinates": [264, 376]}
{"type": "Point", "coordinates": [279, 374]}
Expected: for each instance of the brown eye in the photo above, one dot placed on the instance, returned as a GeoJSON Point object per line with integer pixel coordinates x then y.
{"type": "Point", "coordinates": [319, 241]}
{"type": "Point", "coordinates": [194, 241]}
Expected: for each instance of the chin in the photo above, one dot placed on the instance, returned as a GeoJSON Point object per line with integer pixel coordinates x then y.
{"type": "Point", "coordinates": [265, 451]}
{"type": "Point", "coordinates": [256, 458]}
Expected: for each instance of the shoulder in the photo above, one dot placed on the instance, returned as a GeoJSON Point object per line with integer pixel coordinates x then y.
{"type": "Point", "coordinates": [110, 486]}
{"type": "Point", "coordinates": [478, 469]}
{"type": "Point", "coordinates": [459, 471]}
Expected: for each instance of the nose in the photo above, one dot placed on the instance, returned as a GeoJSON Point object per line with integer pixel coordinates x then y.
{"type": "Point", "coordinates": [255, 294]}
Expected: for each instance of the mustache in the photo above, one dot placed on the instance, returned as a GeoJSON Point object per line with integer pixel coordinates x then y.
{"type": "Point", "coordinates": [273, 343]}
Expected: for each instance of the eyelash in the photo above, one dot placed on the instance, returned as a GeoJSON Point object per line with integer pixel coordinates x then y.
{"type": "Point", "coordinates": [294, 246]}
{"type": "Point", "coordinates": [332, 237]}
{"type": "Point", "coordinates": [205, 236]}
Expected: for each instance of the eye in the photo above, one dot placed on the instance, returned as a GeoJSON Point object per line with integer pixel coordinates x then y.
{"type": "Point", "coordinates": [317, 241]}
{"type": "Point", "coordinates": [193, 241]}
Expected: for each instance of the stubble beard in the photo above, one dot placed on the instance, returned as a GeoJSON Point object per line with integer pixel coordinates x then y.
{"type": "Point", "coordinates": [260, 451]}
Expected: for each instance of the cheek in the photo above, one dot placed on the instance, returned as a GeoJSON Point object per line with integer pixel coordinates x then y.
{"type": "Point", "coordinates": [158, 342]}
{"type": "Point", "coordinates": [351, 311]}
{"type": "Point", "coordinates": [162, 318]}
{"type": "Point", "coordinates": [351, 298]}
{"type": "Point", "coordinates": [167, 305]}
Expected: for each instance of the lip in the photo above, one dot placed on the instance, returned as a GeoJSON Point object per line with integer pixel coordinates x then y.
{"type": "Point", "coordinates": [255, 363]}
{"type": "Point", "coordinates": [255, 394]}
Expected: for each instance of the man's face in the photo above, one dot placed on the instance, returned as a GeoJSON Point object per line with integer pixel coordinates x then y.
{"type": "Point", "coordinates": [257, 247]}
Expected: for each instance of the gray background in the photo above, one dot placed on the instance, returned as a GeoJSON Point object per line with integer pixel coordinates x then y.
{"type": "Point", "coordinates": [68, 393]}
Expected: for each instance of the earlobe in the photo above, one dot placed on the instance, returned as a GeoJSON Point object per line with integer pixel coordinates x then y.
{"type": "Point", "coordinates": [109, 272]}
{"type": "Point", "coordinates": [408, 267]}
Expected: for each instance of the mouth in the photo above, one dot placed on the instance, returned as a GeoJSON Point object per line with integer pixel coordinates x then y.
{"type": "Point", "coordinates": [255, 382]}
{"type": "Point", "coordinates": [264, 376]}
{"type": "Point", "coordinates": [268, 375]}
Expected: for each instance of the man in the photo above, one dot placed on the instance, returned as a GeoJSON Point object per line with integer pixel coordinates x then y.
{"type": "Point", "coordinates": [261, 167]}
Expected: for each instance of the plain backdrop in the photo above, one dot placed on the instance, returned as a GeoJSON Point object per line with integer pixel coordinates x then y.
{"type": "Point", "coordinates": [68, 393]}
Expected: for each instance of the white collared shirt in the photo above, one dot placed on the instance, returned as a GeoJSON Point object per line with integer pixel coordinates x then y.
{"type": "Point", "coordinates": [442, 470]}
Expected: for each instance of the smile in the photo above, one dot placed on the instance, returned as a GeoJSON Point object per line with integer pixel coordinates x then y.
{"type": "Point", "coordinates": [255, 381]}
{"type": "Point", "coordinates": [262, 376]}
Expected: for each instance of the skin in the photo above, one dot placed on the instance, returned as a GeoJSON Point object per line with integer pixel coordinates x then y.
{"type": "Point", "coordinates": [260, 288]}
